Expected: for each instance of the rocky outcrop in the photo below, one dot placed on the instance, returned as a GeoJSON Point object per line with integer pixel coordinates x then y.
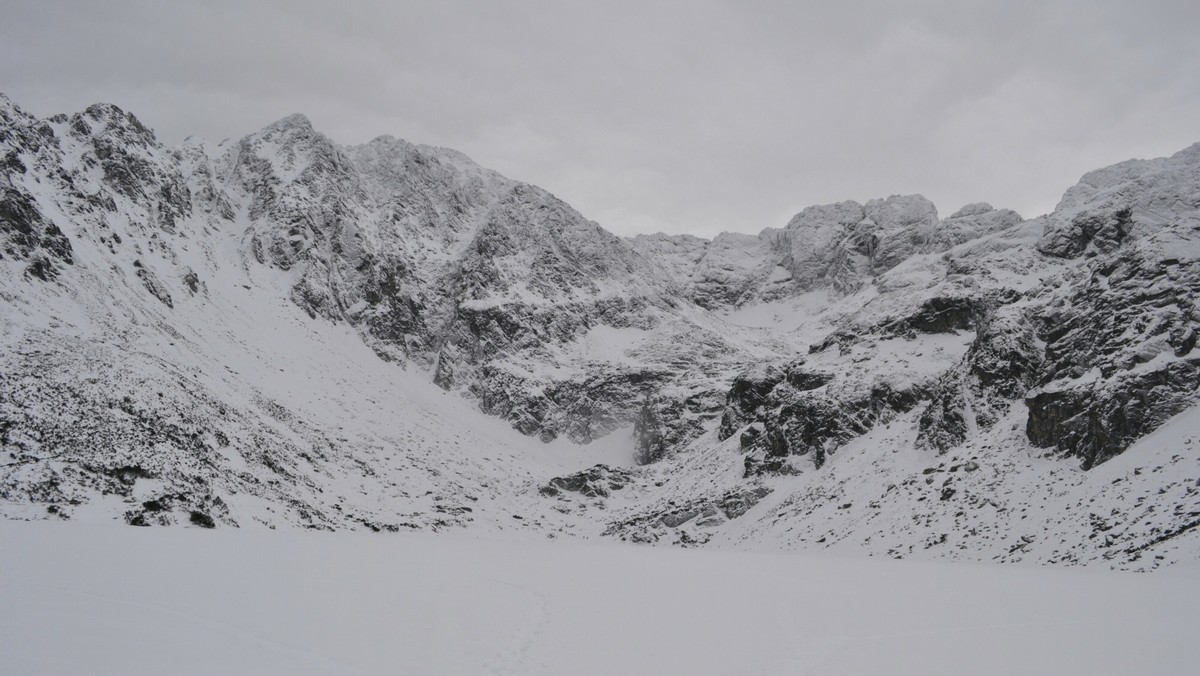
{"type": "Point", "coordinates": [1098, 420]}
{"type": "Point", "coordinates": [582, 409]}
{"type": "Point", "coordinates": [689, 523]}
{"type": "Point", "coordinates": [749, 397]}
{"type": "Point", "coordinates": [793, 410]}
{"type": "Point", "coordinates": [1122, 311]}
{"type": "Point", "coordinates": [998, 369]}
{"type": "Point", "coordinates": [817, 422]}
{"type": "Point", "coordinates": [840, 246]}
{"type": "Point", "coordinates": [25, 233]}
{"type": "Point", "coordinates": [1120, 327]}
{"type": "Point", "coordinates": [968, 223]}
{"type": "Point", "coordinates": [670, 420]}
{"type": "Point", "coordinates": [596, 482]}
{"type": "Point", "coordinates": [1120, 335]}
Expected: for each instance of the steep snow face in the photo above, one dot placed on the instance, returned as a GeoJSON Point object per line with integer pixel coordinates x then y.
{"type": "Point", "coordinates": [283, 331]}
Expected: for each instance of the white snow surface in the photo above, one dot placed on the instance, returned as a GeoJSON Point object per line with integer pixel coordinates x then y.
{"type": "Point", "coordinates": [80, 599]}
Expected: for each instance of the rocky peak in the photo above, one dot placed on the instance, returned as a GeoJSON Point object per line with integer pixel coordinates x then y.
{"type": "Point", "coordinates": [894, 229]}
{"type": "Point", "coordinates": [111, 131]}
{"type": "Point", "coordinates": [845, 245]}
{"type": "Point", "coordinates": [286, 151]}
{"type": "Point", "coordinates": [532, 243]}
{"type": "Point", "coordinates": [973, 209]}
{"type": "Point", "coordinates": [971, 222]}
{"type": "Point", "coordinates": [434, 196]}
{"type": "Point", "coordinates": [1129, 200]}
{"type": "Point", "coordinates": [296, 121]}
{"type": "Point", "coordinates": [302, 192]}
{"type": "Point", "coordinates": [11, 114]}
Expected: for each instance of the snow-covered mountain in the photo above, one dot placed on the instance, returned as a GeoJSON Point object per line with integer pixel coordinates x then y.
{"type": "Point", "coordinates": [282, 331]}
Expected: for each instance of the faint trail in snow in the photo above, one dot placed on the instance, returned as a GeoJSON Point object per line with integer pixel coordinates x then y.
{"type": "Point", "coordinates": [517, 661]}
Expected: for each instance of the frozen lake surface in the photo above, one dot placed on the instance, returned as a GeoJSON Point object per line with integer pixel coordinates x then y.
{"type": "Point", "coordinates": [99, 599]}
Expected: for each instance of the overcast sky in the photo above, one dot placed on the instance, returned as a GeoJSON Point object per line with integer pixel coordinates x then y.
{"type": "Point", "coordinates": [696, 116]}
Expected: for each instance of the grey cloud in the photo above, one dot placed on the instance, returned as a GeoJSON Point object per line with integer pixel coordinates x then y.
{"type": "Point", "coordinates": [680, 116]}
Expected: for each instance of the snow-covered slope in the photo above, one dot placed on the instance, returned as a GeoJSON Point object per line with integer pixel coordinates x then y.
{"type": "Point", "coordinates": [282, 331]}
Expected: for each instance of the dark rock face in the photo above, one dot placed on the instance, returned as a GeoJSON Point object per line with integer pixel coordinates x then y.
{"type": "Point", "coordinates": [803, 380]}
{"type": "Point", "coordinates": [481, 332]}
{"type": "Point", "coordinates": [1005, 356]}
{"type": "Point", "coordinates": [1092, 233]}
{"type": "Point", "coordinates": [1132, 306]}
{"type": "Point", "coordinates": [596, 482]}
{"type": "Point", "coordinates": [1120, 334]}
{"type": "Point", "coordinates": [650, 431]}
{"type": "Point", "coordinates": [1000, 366]}
{"type": "Point", "coordinates": [580, 409]}
{"type": "Point", "coordinates": [748, 396]}
{"type": "Point", "coordinates": [941, 315]}
{"type": "Point", "coordinates": [944, 424]}
{"type": "Point", "coordinates": [1096, 422]}
{"type": "Point", "coordinates": [933, 315]}
{"type": "Point", "coordinates": [816, 423]}
{"type": "Point", "coordinates": [794, 411]}
{"type": "Point", "coordinates": [27, 235]}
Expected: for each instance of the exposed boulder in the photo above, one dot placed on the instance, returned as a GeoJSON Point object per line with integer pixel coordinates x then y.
{"type": "Point", "coordinates": [153, 284]}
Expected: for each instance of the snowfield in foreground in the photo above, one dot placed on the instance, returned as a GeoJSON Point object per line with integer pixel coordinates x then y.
{"type": "Point", "coordinates": [94, 599]}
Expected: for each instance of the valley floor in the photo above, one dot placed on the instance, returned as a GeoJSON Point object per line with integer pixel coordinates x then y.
{"type": "Point", "coordinates": [109, 599]}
